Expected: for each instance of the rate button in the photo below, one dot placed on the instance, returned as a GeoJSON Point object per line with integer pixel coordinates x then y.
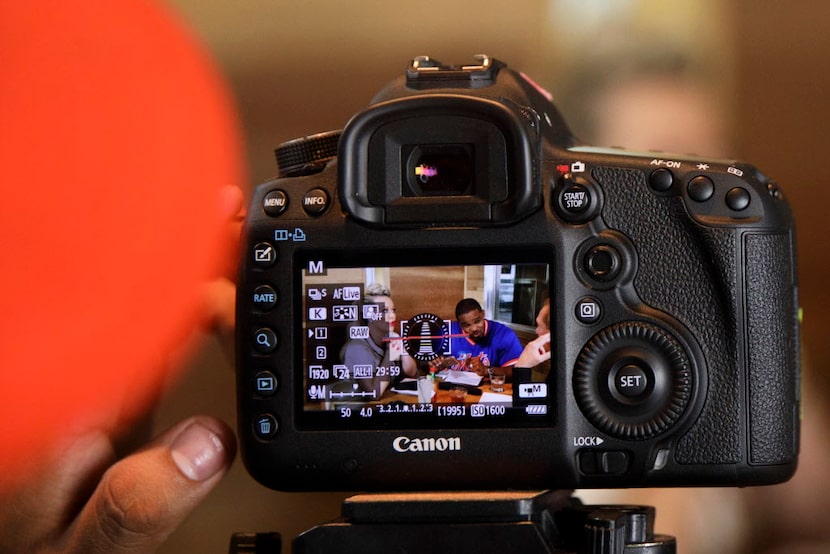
{"type": "Point", "coordinates": [265, 297]}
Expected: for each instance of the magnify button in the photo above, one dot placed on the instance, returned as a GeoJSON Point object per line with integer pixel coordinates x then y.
{"type": "Point", "coordinates": [265, 340]}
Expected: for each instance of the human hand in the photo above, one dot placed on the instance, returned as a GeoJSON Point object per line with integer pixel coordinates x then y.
{"type": "Point", "coordinates": [474, 364]}
{"type": "Point", "coordinates": [535, 352]}
{"type": "Point", "coordinates": [85, 501]}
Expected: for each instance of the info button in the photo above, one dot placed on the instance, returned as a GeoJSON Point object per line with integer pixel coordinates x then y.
{"type": "Point", "coordinates": [315, 201]}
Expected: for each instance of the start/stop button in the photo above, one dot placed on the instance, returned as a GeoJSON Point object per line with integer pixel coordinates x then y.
{"type": "Point", "coordinates": [576, 199]}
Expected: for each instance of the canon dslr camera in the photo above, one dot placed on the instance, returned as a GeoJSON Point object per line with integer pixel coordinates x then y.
{"type": "Point", "coordinates": [669, 279]}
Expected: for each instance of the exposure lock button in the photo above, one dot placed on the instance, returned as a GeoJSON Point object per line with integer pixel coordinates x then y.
{"type": "Point", "coordinates": [701, 188]}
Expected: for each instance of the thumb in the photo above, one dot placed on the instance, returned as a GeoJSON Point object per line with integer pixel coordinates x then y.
{"type": "Point", "coordinates": [143, 498]}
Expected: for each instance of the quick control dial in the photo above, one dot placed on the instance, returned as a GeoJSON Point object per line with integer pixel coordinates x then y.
{"type": "Point", "coordinates": [633, 380]}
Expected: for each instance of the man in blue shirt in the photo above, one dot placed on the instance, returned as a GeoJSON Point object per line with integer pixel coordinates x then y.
{"type": "Point", "coordinates": [495, 344]}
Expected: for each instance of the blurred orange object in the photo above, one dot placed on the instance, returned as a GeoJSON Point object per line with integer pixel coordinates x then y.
{"type": "Point", "coordinates": [116, 137]}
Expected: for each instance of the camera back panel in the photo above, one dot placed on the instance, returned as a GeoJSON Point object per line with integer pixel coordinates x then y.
{"type": "Point", "coordinates": [671, 285]}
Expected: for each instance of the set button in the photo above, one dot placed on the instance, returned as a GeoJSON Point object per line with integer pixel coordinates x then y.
{"type": "Point", "coordinates": [630, 382]}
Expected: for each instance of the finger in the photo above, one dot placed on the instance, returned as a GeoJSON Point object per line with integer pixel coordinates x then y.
{"type": "Point", "coordinates": [231, 205]}
{"type": "Point", "coordinates": [220, 304]}
{"type": "Point", "coordinates": [40, 510]}
{"type": "Point", "coordinates": [143, 498]}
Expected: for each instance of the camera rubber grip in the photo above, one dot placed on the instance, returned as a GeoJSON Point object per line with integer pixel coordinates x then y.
{"type": "Point", "coordinates": [689, 272]}
{"type": "Point", "coordinates": [773, 348]}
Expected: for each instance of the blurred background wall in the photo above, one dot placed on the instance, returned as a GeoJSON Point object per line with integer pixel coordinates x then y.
{"type": "Point", "coordinates": [731, 78]}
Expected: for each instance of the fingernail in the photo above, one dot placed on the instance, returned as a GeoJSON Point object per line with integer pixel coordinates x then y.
{"type": "Point", "coordinates": [198, 452]}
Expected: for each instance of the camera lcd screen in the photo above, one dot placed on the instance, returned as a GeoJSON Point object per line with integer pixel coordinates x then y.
{"type": "Point", "coordinates": [383, 343]}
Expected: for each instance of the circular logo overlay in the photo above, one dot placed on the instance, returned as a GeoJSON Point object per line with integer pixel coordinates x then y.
{"type": "Point", "coordinates": [426, 336]}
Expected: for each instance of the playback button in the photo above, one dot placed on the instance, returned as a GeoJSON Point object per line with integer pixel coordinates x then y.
{"type": "Point", "coordinates": [265, 384]}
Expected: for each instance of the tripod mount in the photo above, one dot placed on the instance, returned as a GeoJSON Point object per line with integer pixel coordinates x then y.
{"type": "Point", "coordinates": [491, 522]}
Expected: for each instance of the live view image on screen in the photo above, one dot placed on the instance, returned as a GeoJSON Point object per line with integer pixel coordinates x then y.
{"type": "Point", "coordinates": [410, 342]}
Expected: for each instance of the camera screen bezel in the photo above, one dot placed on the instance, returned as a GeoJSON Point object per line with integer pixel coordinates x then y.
{"type": "Point", "coordinates": [416, 258]}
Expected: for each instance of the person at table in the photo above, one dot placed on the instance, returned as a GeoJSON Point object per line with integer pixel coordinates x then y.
{"type": "Point", "coordinates": [378, 351]}
{"type": "Point", "coordinates": [485, 343]}
{"type": "Point", "coordinates": [537, 351]}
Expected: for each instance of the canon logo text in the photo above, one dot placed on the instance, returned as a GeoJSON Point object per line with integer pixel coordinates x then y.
{"type": "Point", "coordinates": [427, 444]}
